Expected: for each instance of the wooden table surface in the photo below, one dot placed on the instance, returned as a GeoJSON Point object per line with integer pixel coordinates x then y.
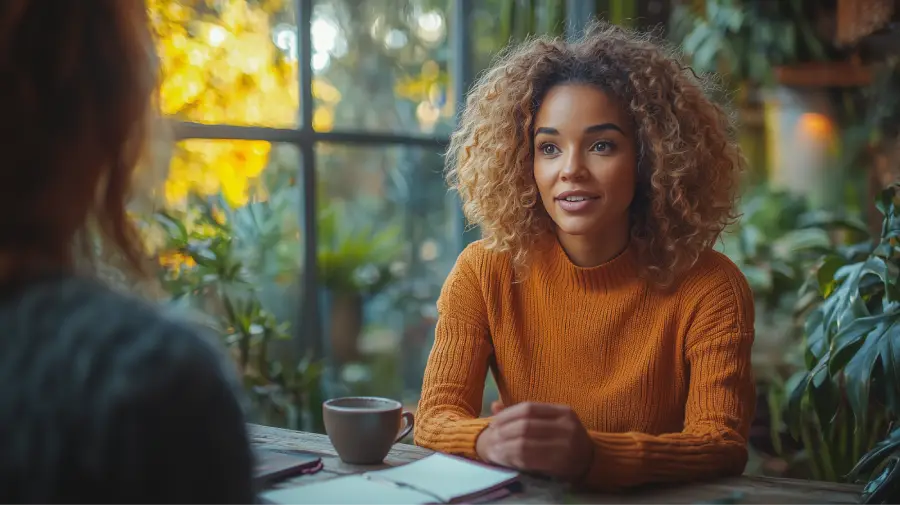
{"type": "Point", "coordinates": [751, 489]}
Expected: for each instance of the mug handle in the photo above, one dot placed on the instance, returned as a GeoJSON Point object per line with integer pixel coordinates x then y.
{"type": "Point", "coordinates": [410, 422]}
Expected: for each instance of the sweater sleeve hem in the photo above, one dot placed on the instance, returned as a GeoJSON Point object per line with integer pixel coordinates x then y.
{"type": "Point", "coordinates": [456, 437]}
{"type": "Point", "coordinates": [623, 460]}
{"type": "Point", "coordinates": [618, 458]}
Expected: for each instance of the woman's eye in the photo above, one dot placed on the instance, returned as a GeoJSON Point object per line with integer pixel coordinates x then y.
{"type": "Point", "coordinates": [602, 146]}
{"type": "Point", "coordinates": [549, 150]}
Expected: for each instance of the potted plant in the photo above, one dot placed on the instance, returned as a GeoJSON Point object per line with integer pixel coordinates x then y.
{"type": "Point", "coordinates": [846, 398]}
{"type": "Point", "coordinates": [355, 262]}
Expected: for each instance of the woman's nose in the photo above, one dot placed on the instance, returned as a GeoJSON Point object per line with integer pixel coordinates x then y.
{"type": "Point", "coordinates": [574, 168]}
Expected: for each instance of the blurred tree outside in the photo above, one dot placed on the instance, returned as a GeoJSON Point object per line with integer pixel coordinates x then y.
{"type": "Point", "coordinates": [220, 64]}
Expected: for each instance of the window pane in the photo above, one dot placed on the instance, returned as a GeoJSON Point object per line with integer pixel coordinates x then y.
{"type": "Point", "coordinates": [228, 61]}
{"type": "Point", "coordinates": [381, 65]}
{"type": "Point", "coordinates": [388, 237]}
{"type": "Point", "coordinates": [228, 243]}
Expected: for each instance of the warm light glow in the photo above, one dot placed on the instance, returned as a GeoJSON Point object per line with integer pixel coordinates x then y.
{"type": "Point", "coordinates": [815, 126]}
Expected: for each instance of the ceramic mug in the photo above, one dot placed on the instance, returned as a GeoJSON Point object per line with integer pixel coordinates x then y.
{"type": "Point", "coordinates": [363, 429]}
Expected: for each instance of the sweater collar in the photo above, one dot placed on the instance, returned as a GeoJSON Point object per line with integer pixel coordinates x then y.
{"type": "Point", "coordinates": [617, 271]}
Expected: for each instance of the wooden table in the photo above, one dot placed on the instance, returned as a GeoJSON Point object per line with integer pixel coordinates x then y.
{"type": "Point", "coordinates": [752, 489]}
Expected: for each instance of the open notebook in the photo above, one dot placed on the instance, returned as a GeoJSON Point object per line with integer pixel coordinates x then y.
{"type": "Point", "coordinates": [435, 479]}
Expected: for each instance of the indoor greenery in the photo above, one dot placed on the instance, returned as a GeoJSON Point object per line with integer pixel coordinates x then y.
{"type": "Point", "coordinates": [771, 245]}
{"type": "Point", "coordinates": [744, 40]}
{"type": "Point", "coordinates": [355, 258]}
{"type": "Point", "coordinates": [844, 401]}
{"type": "Point", "coordinates": [239, 270]}
{"type": "Point", "coordinates": [882, 463]}
{"type": "Point", "coordinates": [220, 262]}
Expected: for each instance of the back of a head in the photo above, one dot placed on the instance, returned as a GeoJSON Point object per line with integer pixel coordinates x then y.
{"type": "Point", "coordinates": [76, 85]}
{"type": "Point", "coordinates": [102, 399]}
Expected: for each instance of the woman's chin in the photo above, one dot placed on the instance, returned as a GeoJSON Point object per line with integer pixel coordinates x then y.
{"type": "Point", "coordinates": [576, 229]}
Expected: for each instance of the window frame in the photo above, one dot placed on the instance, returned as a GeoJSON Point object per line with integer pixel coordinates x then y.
{"type": "Point", "coordinates": [306, 138]}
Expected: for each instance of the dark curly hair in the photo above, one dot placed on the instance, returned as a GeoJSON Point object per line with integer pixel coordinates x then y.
{"type": "Point", "coordinates": [688, 159]}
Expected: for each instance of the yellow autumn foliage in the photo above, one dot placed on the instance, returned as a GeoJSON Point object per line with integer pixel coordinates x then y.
{"type": "Point", "coordinates": [222, 67]}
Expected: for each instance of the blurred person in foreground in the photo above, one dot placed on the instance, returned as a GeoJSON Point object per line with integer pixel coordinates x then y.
{"type": "Point", "coordinates": [600, 174]}
{"type": "Point", "coordinates": [102, 399]}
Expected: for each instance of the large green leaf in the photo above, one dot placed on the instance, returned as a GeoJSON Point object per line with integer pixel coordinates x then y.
{"type": "Point", "coordinates": [877, 455]}
{"type": "Point", "coordinates": [797, 387]}
{"type": "Point", "coordinates": [858, 372]}
{"type": "Point", "coordinates": [826, 272]}
{"type": "Point", "coordinates": [891, 363]}
{"type": "Point", "coordinates": [847, 343]}
{"type": "Point", "coordinates": [885, 487]}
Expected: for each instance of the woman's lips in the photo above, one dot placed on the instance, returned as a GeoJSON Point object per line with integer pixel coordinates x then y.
{"type": "Point", "coordinates": [579, 205]}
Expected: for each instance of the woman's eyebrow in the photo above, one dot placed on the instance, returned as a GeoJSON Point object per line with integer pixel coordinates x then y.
{"type": "Point", "coordinates": [546, 130]}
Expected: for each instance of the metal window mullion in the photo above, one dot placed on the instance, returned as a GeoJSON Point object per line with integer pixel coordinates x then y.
{"type": "Point", "coordinates": [578, 13]}
{"type": "Point", "coordinates": [461, 73]}
{"type": "Point", "coordinates": [188, 130]}
{"type": "Point", "coordinates": [312, 337]}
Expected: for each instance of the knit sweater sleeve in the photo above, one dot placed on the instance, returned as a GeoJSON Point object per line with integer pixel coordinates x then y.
{"type": "Point", "coordinates": [720, 401]}
{"type": "Point", "coordinates": [452, 390]}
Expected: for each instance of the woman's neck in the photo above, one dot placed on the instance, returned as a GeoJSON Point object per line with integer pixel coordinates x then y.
{"type": "Point", "coordinates": [588, 251]}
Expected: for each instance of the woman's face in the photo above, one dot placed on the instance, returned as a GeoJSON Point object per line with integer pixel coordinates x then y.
{"type": "Point", "coordinates": [584, 161]}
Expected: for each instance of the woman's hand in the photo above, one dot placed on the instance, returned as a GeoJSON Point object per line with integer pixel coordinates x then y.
{"type": "Point", "coordinates": [537, 437]}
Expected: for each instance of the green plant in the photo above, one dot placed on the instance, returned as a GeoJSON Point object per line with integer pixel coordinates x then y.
{"type": "Point", "coordinates": [771, 243]}
{"type": "Point", "coordinates": [220, 260]}
{"type": "Point", "coordinates": [355, 259]}
{"type": "Point", "coordinates": [842, 404]}
{"type": "Point", "coordinates": [745, 40]}
{"type": "Point", "coordinates": [884, 487]}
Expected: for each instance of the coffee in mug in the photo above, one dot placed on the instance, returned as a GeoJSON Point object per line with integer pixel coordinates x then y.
{"type": "Point", "coordinates": [363, 429]}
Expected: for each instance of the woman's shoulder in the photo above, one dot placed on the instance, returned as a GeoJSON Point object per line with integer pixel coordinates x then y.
{"type": "Point", "coordinates": [717, 283]}
{"type": "Point", "coordinates": [481, 261]}
{"type": "Point", "coordinates": [78, 316]}
{"type": "Point", "coordinates": [478, 269]}
{"type": "Point", "coordinates": [714, 270]}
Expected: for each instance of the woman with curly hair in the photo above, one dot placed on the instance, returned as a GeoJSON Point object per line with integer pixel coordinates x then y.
{"type": "Point", "coordinates": [601, 175]}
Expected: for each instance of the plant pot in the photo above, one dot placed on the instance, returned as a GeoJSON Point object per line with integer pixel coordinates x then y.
{"type": "Point", "coordinates": [345, 324]}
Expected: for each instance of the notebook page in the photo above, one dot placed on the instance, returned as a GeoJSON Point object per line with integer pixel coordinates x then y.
{"type": "Point", "coordinates": [352, 489]}
{"type": "Point", "coordinates": [447, 477]}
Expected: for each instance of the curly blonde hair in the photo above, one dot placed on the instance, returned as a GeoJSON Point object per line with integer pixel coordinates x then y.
{"type": "Point", "coordinates": [688, 160]}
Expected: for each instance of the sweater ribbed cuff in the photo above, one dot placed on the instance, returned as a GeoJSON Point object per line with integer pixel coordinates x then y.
{"type": "Point", "coordinates": [617, 462]}
{"type": "Point", "coordinates": [457, 437]}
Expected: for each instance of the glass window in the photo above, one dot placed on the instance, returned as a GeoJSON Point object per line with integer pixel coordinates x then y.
{"type": "Point", "coordinates": [381, 65]}
{"type": "Point", "coordinates": [228, 239]}
{"type": "Point", "coordinates": [228, 61]}
{"type": "Point", "coordinates": [387, 228]}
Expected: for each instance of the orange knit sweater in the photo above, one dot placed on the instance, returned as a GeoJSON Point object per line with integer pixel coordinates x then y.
{"type": "Point", "coordinates": [661, 380]}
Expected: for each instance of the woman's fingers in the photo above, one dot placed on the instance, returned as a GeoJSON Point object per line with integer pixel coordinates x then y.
{"type": "Point", "coordinates": [529, 455]}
